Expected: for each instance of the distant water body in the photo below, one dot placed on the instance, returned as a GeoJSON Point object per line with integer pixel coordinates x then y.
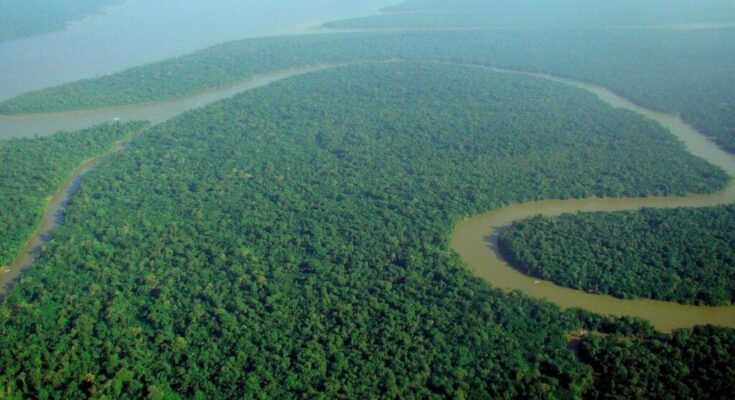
{"type": "Point", "coordinates": [143, 31]}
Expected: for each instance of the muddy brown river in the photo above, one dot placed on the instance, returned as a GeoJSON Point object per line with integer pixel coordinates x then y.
{"type": "Point", "coordinates": [475, 238]}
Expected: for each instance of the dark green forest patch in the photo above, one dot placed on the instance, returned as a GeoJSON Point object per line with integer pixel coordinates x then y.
{"type": "Point", "coordinates": [690, 364]}
{"type": "Point", "coordinates": [685, 255]}
{"type": "Point", "coordinates": [34, 169]}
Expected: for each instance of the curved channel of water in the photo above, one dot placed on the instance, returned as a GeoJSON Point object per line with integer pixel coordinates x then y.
{"type": "Point", "coordinates": [476, 238]}
{"type": "Point", "coordinates": [45, 124]}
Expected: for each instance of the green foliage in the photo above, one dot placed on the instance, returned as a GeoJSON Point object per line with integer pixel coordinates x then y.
{"type": "Point", "coordinates": [34, 169]}
{"type": "Point", "coordinates": [685, 255]}
{"type": "Point", "coordinates": [291, 242]}
{"type": "Point", "coordinates": [686, 72]}
{"type": "Point", "coordinates": [20, 18]}
{"type": "Point", "coordinates": [677, 71]}
{"type": "Point", "coordinates": [689, 72]}
{"type": "Point", "coordinates": [534, 14]}
{"type": "Point", "coordinates": [690, 364]}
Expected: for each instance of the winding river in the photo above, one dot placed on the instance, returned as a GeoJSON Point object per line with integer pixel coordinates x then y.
{"type": "Point", "coordinates": [475, 239]}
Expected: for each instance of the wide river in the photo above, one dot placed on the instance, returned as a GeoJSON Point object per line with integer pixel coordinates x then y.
{"type": "Point", "coordinates": [143, 31]}
{"type": "Point", "coordinates": [475, 239]}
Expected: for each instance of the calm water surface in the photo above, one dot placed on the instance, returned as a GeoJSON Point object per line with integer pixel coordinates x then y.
{"type": "Point", "coordinates": [29, 126]}
{"type": "Point", "coordinates": [143, 31]}
{"type": "Point", "coordinates": [475, 239]}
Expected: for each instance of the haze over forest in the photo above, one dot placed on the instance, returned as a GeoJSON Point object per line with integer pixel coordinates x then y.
{"type": "Point", "coordinates": [470, 199]}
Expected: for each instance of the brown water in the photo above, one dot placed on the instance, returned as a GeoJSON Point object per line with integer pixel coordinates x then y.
{"type": "Point", "coordinates": [475, 239]}
{"type": "Point", "coordinates": [46, 124]}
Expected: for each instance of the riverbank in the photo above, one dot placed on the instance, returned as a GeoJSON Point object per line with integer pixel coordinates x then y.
{"type": "Point", "coordinates": [476, 238]}
{"type": "Point", "coordinates": [53, 217]}
{"type": "Point", "coordinates": [132, 34]}
{"type": "Point", "coordinates": [30, 125]}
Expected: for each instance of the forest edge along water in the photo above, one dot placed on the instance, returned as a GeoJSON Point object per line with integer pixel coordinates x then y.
{"type": "Point", "coordinates": [29, 125]}
{"type": "Point", "coordinates": [136, 32]}
{"type": "Point", "coordinates": [475, 238]}
{"type": "Point", "coordinates": [53, 217]}
{"type": "Point", "coordinates": [45, 124]}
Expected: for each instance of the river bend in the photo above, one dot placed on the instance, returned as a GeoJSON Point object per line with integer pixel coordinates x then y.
{"type": "Point", "coordinates": [476, 238]}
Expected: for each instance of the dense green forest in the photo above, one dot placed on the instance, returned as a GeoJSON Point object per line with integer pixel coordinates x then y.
{"type": "Point", "coordinates": [669, 67]}
{"type": "Point", "coordinates": [34, 169]}
{"type": "Point", "coordinates": [534, 14]}
{"type": "Point", "coordinates": [291, 242]}
{"type": "Point", "coordinates": [689, 72]}
{"type": "Point", "coordinates": [685, 255]}
{"type": "Point", "coordinates": [690, 364]}
{"type": "Point", "coordinates": [19, 18]}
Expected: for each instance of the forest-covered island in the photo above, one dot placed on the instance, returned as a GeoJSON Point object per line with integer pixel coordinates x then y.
{"type": "Point", "coordinates": [685, 255]}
